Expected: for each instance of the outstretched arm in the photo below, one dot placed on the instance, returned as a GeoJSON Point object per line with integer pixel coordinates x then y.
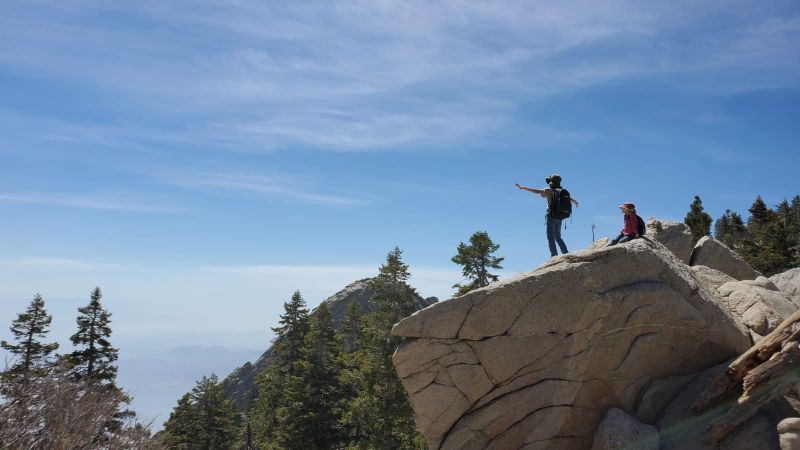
{"type": "Point", "coordinates": [574, 202]}
{"type": "Point", "coordinates": [525, 188]}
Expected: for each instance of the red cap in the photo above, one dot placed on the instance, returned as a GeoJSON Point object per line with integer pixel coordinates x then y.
{"type": "Point", "coordinates": [628, 205]}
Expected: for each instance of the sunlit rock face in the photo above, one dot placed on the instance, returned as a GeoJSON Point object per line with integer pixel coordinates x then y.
{"type": "Point", "coordinates": [536, 361]}
{"type": "Point", "coordinates": [716, 255]}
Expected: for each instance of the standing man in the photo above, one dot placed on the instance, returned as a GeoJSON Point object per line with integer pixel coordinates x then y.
{"type": "Point", "coordinates": [559, 203]}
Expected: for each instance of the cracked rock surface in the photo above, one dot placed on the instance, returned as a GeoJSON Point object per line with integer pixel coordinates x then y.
{"type": "Point", "coordinates": [716, 255]}
{"type": "Point", "coordinates": [536, 361]}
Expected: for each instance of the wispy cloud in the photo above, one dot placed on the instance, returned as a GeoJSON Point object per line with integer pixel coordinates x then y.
{"type": "Point", "coordinates": [354, 272]}
{"type": "Point", "coordinates": [277, 187]}
{"type": "Point", "coordinates": [84, 201]}
{"type": "Point", "coordinates": [65, 264]}
{"type": "Point", "coordinates": [428, 280]}
{"type": "Point", "coordinates": [386, 75]}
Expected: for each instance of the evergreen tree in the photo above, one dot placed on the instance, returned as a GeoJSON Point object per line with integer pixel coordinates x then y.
{"type": "Point", "coordinates": [349, 332]}
{"type": "Point", "coordinates": [183, 425]}
{"type": "Point", "coordinates": [380, 415]}
{"type": "Point", "coordinates": [698, 220]}
{"type": "Point", "coordinates": [309, 417]}
{"type": "Point", "coordinates": [290, 335]}
{"type": "Point", "coordinates": [95, 357]}
{"type": "Point", "coordinates": [203, 419]}
{"type": "Point", "coordinates": [791, 227]}
{"type": "Point", "coordinates": [30, 352]}
{"type": "Point", "coordinates": [730, 230]}
{"type": "Point", "coordinates": [272, 384]}
{"type": "Point", "coordinates": [263, 412]}
{"type": "Point", "coordinates": [767, 247]}
{"type": "Point", "coordinates": [794, 218]}
{"type": "Point", "coordinates": [476, 259]}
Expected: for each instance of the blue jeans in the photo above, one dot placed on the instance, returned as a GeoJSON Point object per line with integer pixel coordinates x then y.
{"type": "Point", "coordinates": [620, 239]}
{"type": "Point", "coordinates": [554, 235]}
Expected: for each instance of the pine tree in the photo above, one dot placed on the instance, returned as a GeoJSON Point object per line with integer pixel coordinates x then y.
{"type": "Point", "coordinates": [216, 414]}
{"type": "Point", "coordinates": [476, 259]}
{"type": "Point", "coordinates": [698, 220]}
{"type": "Point", "coordinates": [183, 425]}
{"type": "Point", "coordinates": [263, 412]}
{"type": "Point", "coordinates": [95, 357]}
{"type": "Point", "coordinates": [203, 419]}
{"type": "Point", "coordinates": [349, 332]}
{"type": "Point", "coordinates": [730, 229]}
{"type": "Point", "coordinates": [31, 353]}
{"type": "Point", "coordinates": [309, 417]}
{"type": "Point", "coordinates": [272, 384]}
{"type": "Point", "coordinates": [767, 247]}
{"type": "Point", "coordinates": [379, 416]}
{"type": "Point", "coordinates": [289, 336]}
{"type": "Point", "coordinates": [794, 213]}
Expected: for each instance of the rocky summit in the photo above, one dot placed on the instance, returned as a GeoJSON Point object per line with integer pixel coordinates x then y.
{"type": "Point", "coordinates": [608, 335]}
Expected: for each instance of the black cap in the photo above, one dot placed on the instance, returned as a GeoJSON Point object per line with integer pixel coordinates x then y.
{"type": "Point", "coordinates": [555, 178]}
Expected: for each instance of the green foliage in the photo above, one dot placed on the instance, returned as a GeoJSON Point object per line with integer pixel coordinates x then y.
{"type": "Point", "coordinates": [308, 417]}
{"type": "Point", "coordinates": [289, 336]}
{"type": "Point", "coordinates": [349, 333]}
{"type": "Point", "coordinates": [94, 358]}
{"type": "Point", "coordinates": [45, 404]}
{"type": "Point", "coordinates": [326, 389]}
{"type": "Point", "coordinates": [30, 352]}
{"type": "Point", "coordinates": [767, 246]}
{"type": "Point", "coordinates": [379, 415]}
{"type": "Point", "coordinates": [730, 229]}
{"type": "Point", "coordinates": [476, 259]}
{"type": "Point", "coordinates": [203, 419]}
{"type": "Point", "coordinates": [770, 240]}
{"type": "Point", "coordinates": [698, 220]}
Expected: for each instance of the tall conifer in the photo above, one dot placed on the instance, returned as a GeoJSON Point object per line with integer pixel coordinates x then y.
{"type": "Point", "coordinates": [94, 357]}
{"type": "Point", "coordinates": [309, 417]}
{"type": "Point", "coordinates": [767, 246]}
{"type": "Point", "coordinates": [203, 419]}
{"type": "Point", "coordinates": [477, 259]}
{"type": "Point", "coordinates": [272, 384]}
{"type": "Point", "coordinates": [698, 220]}
{"type": "Point", "coordinates": [380, 414]}
{"type": "Point", "coordinates": [29, 329]}
{"type": "Point", "coordinates": [730, 230]}
{"type": "Point", "coordinates": [291, 332]}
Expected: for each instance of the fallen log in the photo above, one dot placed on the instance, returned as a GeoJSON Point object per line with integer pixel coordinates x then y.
{"type": "Point", "coordinates": [765, 372]}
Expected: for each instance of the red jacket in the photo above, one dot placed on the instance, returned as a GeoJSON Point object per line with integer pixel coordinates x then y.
{"type": "Point", "coordinates": [630, 228]}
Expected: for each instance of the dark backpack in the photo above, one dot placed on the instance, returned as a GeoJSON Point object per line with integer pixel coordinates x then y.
{"type": "Point", "coordinates": [640, 226]}
{"type": "Point", "coordinates": [561, 206]}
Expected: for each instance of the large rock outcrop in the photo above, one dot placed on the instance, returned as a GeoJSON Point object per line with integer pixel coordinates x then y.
{"type": "Point", "coordinates": [716, 255]}
{"type": "Point", "coordinates": [537, 360]}
{"type": "Point", "coordinates": [676, 236]}
{"type": "Point", "coordinates": [758, 303]}
{"type": "Point", "coordinates": [238, 385]}
{"type": "Point", "coordinates": [789, 283]}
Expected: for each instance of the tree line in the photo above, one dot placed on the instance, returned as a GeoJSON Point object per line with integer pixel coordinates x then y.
{"type": "Point", "coordinates": [65, 401]}
{"type": "Point", "coordinates": [326, 388]}
{"type": "Point", "coordinates": [769, 240]}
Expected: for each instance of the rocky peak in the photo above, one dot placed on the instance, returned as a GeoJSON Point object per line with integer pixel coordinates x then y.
{"type": "Point", "coordinates": [239, 384]}
{"type": "Point", "coordinates": [537, 361]}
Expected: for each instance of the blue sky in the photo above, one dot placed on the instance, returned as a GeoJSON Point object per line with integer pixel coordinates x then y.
{"type": "Point", "coordinates": [199, 161]}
